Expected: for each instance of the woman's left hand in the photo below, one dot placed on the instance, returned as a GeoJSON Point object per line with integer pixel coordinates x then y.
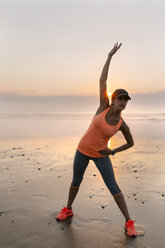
{"type": "Point", "coordinates": [106, 151]}
{"type": "Point", "coordinates": [114, 49]}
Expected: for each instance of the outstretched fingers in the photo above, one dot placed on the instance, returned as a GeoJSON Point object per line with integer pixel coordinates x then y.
{"type": "Point", "coordinates": [114, 49]}
{"type": "Point", "coordinates": [116, 46]}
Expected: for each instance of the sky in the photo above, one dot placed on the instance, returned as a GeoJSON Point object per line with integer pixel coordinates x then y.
{"type": "Point", "coordinates": [60, 47]}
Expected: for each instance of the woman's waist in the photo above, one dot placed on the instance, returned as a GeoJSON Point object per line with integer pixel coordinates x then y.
{"type": "Point", "coordinates": [93, 144]}
{"type": "Point", "coordinates": [91, 150]}
{"type": "Point", "coordinates": [94, 141]}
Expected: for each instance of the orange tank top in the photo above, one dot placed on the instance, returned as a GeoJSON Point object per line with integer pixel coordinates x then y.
{"type": "Point", "coordinates": [97, 135]}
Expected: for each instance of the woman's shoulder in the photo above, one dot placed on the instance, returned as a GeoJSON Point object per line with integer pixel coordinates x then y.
{"type": "Point", "coordinates": [101, 109]}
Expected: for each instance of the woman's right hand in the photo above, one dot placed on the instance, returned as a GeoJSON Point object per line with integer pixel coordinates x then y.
{"type": "Point", "coordinates": [114, 49]}
{"type": "Point", "coordinates": [106, 151]}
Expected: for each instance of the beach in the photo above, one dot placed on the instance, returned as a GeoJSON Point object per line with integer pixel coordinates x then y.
{"type": "Point", "coordinates": [36, 163]}
{"type": "Point", "coordinates": [61, 63]}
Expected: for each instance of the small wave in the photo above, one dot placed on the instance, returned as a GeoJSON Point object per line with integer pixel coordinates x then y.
{"type": "Point", "coordinates": [130, 116]}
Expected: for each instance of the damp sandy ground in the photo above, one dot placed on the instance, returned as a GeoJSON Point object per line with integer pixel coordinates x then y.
{"type": "Point", "coordinates": [35, 175]}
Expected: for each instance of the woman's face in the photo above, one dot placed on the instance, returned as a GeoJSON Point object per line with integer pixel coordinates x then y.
{"type": "Point", "coordinates": [121, 102]}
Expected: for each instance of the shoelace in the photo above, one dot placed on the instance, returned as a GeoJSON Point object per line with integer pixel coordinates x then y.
{"type": "Point", "coordinates": [63, 210]}
{"type": "Point", "coordinates": [131, 224]}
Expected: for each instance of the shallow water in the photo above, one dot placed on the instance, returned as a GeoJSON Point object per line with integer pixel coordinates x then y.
{"type": "Point", "coordinates": [62, 132]}
{"type": "Point", "coordinates": [18, 125]}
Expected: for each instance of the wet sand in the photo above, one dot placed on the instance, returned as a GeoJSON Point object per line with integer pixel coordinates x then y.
{"type": "Point", "coordinates": [34, 184]}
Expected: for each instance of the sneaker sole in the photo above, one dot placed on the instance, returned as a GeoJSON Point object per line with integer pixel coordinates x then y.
{"type": "Point", "coordinates": [65, 218]}
{"type": "Point", "coordinates": [129, 235]}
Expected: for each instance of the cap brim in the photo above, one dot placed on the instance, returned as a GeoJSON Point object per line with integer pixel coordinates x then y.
{"type": "Point", "coordinates": [124, 95]}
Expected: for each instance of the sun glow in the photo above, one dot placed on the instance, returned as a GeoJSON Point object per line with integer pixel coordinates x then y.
{"type": "Point", "coordinates": [109, 143]}
{"type": "Point", "coordinates": [109, 93]}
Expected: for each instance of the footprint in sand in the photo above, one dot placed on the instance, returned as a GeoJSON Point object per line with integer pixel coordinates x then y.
{"type": "Point", "coordinates": [12, 190]}
{"type": "Point", "coordinates": [43, 197]}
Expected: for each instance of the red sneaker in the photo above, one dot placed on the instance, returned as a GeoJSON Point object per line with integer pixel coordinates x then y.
{"type": "Point", "coordinates": [65, 213]}
{"type": "Point", "coordinates": [129, 227]}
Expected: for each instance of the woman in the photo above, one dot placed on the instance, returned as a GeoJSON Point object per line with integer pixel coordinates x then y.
{"type": "Point", "coordinates": [93, 145]}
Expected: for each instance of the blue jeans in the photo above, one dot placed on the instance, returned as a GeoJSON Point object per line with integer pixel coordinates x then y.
{"type": "Point", "coordinates": [103, 164]}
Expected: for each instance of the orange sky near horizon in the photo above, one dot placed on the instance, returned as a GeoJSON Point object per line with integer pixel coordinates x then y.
{"type": "Point", "coordinates": [43, 53]}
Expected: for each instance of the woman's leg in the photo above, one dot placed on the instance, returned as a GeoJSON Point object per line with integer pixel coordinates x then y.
{"type": "Point", "coordinates": [79, 166]}
{"type": "Point", "coordinates": [72, 194]}
{"type": "Point", "coordinates": [119, 199]}
{"type": "Point", "coordinates": [104, 165]}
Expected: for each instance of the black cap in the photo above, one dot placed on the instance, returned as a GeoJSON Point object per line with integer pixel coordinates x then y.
{"type": "Point", "coordinates": [120, 92]}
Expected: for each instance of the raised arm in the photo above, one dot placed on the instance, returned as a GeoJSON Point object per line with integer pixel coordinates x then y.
{"type": "Point", "coordinates": [104, 100]}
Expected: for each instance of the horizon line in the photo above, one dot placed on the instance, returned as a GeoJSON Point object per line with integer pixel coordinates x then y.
{"type": "Point", "coordinates": [70, 95]}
